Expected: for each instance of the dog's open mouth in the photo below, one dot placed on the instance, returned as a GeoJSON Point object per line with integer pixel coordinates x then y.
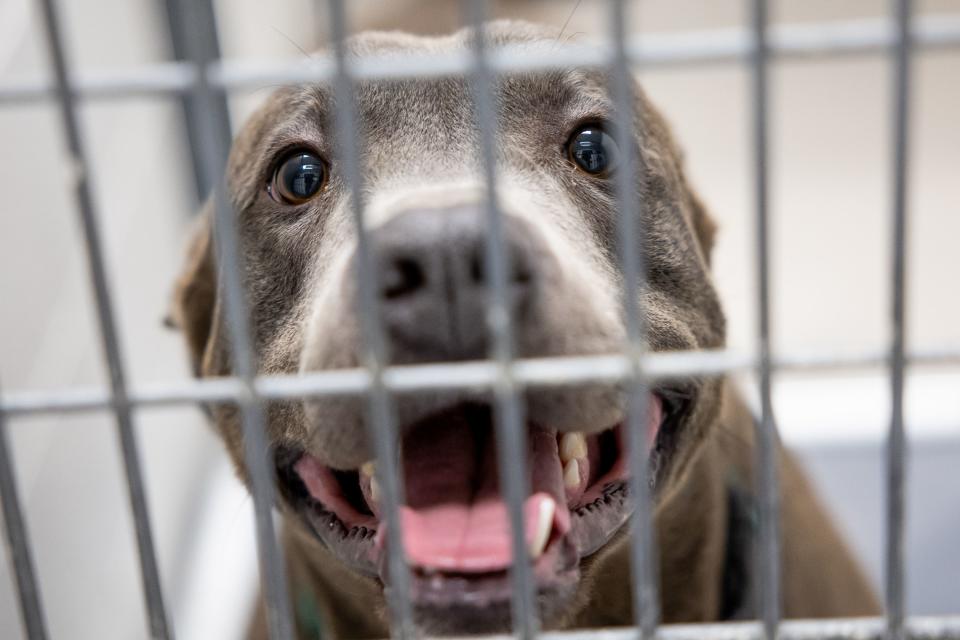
{"type": "Point", "coordinates": [456, 527]}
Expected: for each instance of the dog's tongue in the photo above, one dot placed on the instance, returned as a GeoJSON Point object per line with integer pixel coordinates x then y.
{"type": "Point", "coordinates": [454, 518]}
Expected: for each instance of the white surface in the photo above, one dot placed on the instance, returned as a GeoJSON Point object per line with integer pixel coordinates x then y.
{"type": "Point", "coordinates": [221, 575]}
{"type": "Point", "coordinates": [855, 408]}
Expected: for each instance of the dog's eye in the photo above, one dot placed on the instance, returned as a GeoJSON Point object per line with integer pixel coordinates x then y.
{"type": "Point", "coordinates": [593, 150]}
{"type": "Point", "coordinates": [298, 178]}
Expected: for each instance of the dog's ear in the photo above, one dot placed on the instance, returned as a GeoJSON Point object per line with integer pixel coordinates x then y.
{"type": "Point", "coordinates": [195, 291]}
{"type": "Point", "coordinates": [703, 224]}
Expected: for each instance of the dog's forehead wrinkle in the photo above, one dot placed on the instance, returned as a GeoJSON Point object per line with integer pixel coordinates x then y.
{"type": "Point", "coordinates": [439, 115]}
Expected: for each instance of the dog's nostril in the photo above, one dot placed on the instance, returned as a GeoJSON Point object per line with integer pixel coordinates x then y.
{"type": "Point", "coordinates": [522, 274]}
{"type": "Point", "coordinates": [477, 269]}
{"type": "Point", "coordinates": [405, 276]}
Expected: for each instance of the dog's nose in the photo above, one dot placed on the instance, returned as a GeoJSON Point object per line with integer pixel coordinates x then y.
{"type": "Point", "coordinates": [435, 285]}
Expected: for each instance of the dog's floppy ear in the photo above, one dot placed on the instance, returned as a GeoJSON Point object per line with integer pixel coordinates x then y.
{"type": "Point", "coordinates": [195, 292]}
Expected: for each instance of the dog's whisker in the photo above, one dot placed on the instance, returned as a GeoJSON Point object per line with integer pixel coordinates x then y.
{"type": "Point", "coordinates": [293, 42]}
{"type": "Point", "coordinates": [573, 35]}
{"type": "Point", "coordinates": [566, 22]}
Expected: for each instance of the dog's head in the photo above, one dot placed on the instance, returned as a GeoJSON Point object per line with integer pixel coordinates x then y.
{"type": "Point", "coordinates": [424, 204]}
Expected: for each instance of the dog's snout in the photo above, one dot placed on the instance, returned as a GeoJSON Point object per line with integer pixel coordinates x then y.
{"type": "Point", "coordinates": [435, 284]}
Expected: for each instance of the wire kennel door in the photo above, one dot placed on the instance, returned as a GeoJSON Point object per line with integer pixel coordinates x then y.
{"type": "Point", "coordinates": [206, 82]}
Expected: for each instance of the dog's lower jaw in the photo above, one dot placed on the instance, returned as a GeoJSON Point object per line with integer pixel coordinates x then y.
{"type": "Point", "coordinates": [351, 605]}
{"type": "Point", "coordinates": [355, 606]}
{"type": "Point", "coordinates": [347, 604]}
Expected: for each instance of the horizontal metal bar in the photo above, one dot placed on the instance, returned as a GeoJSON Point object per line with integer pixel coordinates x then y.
{"type": "Point", "coordinates": [149, 80]}
{"type": "Point", "coordinates": [455, 375]}
{"type": "Point", "coordinates": [649, 51]}
{"type": "Point", "coordinates": [919, 628]}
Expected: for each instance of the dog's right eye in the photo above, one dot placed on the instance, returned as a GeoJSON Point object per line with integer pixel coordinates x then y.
{"type": "Point", "coordinates": [299, 177]}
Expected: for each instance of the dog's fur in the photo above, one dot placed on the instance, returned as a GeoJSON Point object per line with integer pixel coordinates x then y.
{"type": "Point", "coordinates": [299, 282]}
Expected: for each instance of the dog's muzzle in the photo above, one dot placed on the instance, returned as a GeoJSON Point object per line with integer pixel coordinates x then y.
{"type": "Point", "coordinates": [434, 281]}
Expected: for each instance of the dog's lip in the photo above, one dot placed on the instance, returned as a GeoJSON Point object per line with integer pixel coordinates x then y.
{"type": "Point", "coordinates": [592, 524]}
{"type": "Point", "coordinates": [555, 573]}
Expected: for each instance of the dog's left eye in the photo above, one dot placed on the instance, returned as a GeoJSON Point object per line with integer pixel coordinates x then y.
{"type": "Point", "coordinates": [593, 150]}
{"type": "Point", "coordinates": [299, 177]}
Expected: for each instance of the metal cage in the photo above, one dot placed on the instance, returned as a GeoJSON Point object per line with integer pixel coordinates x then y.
{"type": "Point", "coordinates": [205, 82]}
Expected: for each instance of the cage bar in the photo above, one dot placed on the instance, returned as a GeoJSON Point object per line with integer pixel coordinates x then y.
{"type": "Point", "coordinates": [767, 477]}
{"type": "Point", "coordinates": [630, 240]}
{"type": "Point", "coordinates": [180, 45]}
{"type": "Point", "coordinates": [18, 542]}
{"type": "Point", "coordinates": [896, 445]}
{"type": "Point", "coordinates": [382, 428]}
{"type": "Point", "coordinates": [197, 28]}
{"type": "Point", "coordinates": [510, 423]}
{"type": "Point", "coordinates": [150, 574]}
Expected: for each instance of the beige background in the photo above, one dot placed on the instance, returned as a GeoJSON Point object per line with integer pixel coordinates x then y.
{"type": "Point", "coordinates": [830, 194]}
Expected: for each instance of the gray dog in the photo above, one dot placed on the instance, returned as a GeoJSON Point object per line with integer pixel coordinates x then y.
{"type": "Point", "coordinates": [424, 198]}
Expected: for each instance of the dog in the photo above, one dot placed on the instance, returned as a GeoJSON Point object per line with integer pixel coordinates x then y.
{"type": "Point", "coordinates": [557, 155]}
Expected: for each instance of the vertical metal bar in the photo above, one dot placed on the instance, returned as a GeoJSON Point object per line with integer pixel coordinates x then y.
{"type": "Point", "coordinates": [18, 542]}
{"type": "Point", "coordinates": [381, 426]}
{"type": "Point", "coordinates": [767, 479]}
{"type": "Point", "coordinates": [193, 118]}
{"type": "Point", "coordinates": [159, 627]}
{"type": "Point", "coordinates": [630, 235]}
{"type": "Point", "coordinates": [511, 433]}
{"type": "Point", "coordinates": [896, 444]}
{"type": "Point", "coordinates": [198, 27]}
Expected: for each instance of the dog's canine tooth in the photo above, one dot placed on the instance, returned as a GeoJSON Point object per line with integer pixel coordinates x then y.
{"type": "Point", "coordinates": [374, 489]}
{"type": "Point", "coordinates": [571, 474]}
{"type": "Point", "coordinates": [542, 527]}
{"type": "Point", "coordinates": [573, 446]}
{"type": "Point", "coordinates": [368, 468]}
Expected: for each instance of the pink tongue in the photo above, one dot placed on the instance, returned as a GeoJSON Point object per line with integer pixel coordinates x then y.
{"type": "Point", "coordinates": [465, 538]}
{"type": "Point", "coordinates": [455, 518]}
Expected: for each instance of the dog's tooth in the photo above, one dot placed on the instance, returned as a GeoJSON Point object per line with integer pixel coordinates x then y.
{"type": "Point", "coordinates": [571, 474]}
{"type": "Point", "coordinates": [542, 527]}
{"type": "Point", "coordinates": [368, 468]}
{"type": "Point", "coordinates": [573, 446]}
{"type": "Point", "coordinates": [374, 489]}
